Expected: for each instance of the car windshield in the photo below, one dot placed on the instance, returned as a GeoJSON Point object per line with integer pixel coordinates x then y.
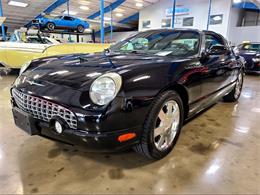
{"type": "Point", "coordinates": [175, 43]}
{"type": "Point", "coordinates": [251, 47]}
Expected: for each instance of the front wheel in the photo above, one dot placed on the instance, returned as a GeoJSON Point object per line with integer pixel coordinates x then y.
{"type": "Point", "coordinates": [234, 95]}
{"type": "Point", "coordinates": [80, 29]}
{"type": "Point", "coordinates": [162, 126]}
{"type": "Point", "coordinates": [50, 26]}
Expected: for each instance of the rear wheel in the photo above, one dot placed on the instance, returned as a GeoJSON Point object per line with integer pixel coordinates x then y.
{"type": "Point", "coordinates": [162, 126]}
{"type": "Point", "coordinates": [80, 29]}
{"type": "Point", "coordinates": [50, 26]}
{"type": "Point", "coordinates": [234, 95]}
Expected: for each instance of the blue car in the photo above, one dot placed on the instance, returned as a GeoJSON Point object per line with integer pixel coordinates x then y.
{"type": "Point", "coordinates": [61, 22]}
{"type": "Point", "coordinates": [251, 53]}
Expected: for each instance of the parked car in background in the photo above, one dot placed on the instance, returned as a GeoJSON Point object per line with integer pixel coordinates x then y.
{"type": "Point", "coordinates": [251, 53]}
{"type": "Point", "coordinates": [61, 22]}
{"type": "Point", "coordinates": [22, 49]}
{"type": "Point", "coordinates": [136, 94]}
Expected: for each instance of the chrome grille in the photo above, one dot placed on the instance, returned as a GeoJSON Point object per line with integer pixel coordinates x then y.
{"type": "Point", "coordinates": [42, 109]}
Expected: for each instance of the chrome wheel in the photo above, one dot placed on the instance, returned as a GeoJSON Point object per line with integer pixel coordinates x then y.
{"type": "Point", "coordinates": [51, 26]}
{"type": "Point", "coordinates": [81, 29]}
{"type": "Point", "coordinates": [167, 124]}
{"type": "Point", "coordinates": [239, 85]}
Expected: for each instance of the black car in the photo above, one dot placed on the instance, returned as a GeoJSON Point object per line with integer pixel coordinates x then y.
{"type": "Point", "coordinates": [251, 53]}
{"type": "Point", "coordinates": [136, 94]}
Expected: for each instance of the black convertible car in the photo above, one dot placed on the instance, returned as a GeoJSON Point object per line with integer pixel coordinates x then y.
{"type": "Point", "coordinates": [136, 94]}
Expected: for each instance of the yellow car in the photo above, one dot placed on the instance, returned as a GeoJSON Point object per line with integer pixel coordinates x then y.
{"type": "Point", "coordinates": [14, 55]}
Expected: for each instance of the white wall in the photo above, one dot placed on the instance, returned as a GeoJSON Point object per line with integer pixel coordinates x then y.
{"type": "Point", "coordinates": [248, 33]}
{"type": "Point", "coordinates": [238, 34]}
{"type": "Point", "coordinates": [198, 9]}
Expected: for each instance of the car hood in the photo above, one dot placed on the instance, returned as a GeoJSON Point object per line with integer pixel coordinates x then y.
{"type": "Point", "coordinates": [248, 53]}
{"type": "Point", "coordinates": [78, 71]}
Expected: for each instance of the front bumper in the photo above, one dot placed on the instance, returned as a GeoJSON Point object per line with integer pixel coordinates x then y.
{"type": "Point", "coordinates": [88, 140]}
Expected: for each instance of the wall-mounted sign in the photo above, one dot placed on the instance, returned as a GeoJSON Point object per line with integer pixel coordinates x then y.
{"type": "Point", "coordinates": [2, 19]}
{"type": "Point", "coordinates": [178, 11]}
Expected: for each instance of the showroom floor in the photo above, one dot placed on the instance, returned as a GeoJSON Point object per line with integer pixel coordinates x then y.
{"type": "Point", "coordinates": [218, 152]}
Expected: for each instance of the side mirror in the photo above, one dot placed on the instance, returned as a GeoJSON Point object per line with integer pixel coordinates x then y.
{"type": "Point", "coordinates": [217, 50]}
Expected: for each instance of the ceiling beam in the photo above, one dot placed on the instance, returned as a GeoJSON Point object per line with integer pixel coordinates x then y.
{"type": "Point", "coordinates": [109, 8]}
{"type": "Point", "coordinates": [124, 21]}
{"type": "Point", "coordinates": [49, 9]}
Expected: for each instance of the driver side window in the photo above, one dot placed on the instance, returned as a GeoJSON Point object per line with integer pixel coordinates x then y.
{"type": "Point", "coordinates": [213, 40]}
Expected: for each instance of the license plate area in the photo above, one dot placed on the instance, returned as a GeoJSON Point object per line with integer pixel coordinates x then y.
{"type": "Point", "coordinates": [25, 122]}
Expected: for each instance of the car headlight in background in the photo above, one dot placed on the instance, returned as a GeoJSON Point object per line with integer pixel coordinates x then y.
{"type": "Point", "coordinates": [255, 60]}
{"type": "Point", "coordinates": [24, 67]}
{"type": "Point", "coordinates": [105, 88]}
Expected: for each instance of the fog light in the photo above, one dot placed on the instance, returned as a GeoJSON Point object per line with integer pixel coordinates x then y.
{"type": "Point", "coordinates": [58, 127]}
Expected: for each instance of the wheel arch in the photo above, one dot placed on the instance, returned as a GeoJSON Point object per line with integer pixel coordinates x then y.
{"type": "Point", "coordinates": [183, 93]}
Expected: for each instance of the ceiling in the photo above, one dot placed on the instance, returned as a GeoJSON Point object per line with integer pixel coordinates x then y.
{"type": "Point", "coordinates": [18, 16]}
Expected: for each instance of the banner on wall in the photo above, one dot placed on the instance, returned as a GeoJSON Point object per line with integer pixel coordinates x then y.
{"type": "Point", "coordinates": [178, 11]}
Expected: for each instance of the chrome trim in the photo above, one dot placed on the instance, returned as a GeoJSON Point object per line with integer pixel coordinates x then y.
{"type": "Point", "coordinates": [42, 109]}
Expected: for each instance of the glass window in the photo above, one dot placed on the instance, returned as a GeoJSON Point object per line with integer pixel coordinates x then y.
{"type": "Point", "coordinates": [166, 23]}
{"type": "Point", "coordinates": [68, 18]}
{"type": "Point", "coordinates": [176, 43]}
{"type": "Point", "coordinates": [216, 19]}
{"type": "Point", "coordinates": [251, 47]}
{"type": "Point", "coordinates": [188, 21]}
{"type": "Point", "coordinates": [147, 24]}
{"type": "Point", "coordinates": [213, 40]}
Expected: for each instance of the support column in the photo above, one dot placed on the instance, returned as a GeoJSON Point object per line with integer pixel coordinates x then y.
{"type": "Point", "coordinates": [3, 27]}
{"type": "Point", "coordinates": [173, 13]}
{"type": "Point", "coordinates": [102, 29]}
{"type": "Point", "coordinates": [209, 13]}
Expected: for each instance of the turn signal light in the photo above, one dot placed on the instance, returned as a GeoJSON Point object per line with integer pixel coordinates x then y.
{"type": "Point", "coordinates": [126, 137]}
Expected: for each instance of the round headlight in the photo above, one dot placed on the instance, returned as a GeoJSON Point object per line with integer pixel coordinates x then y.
{"type": "Point", "coordinates": [24, 67]}
{"type": "Point", "coordinates": [105, 88]}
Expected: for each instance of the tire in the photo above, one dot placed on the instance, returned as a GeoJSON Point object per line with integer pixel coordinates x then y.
{"type": "Point", "coordinates": [50, 26]}
{"type": "Point", "coordinates": [234, 95]}
{"type": "Point", "coordinates": [80, 29]}
{"type": "Point", "coordinates": [149, 146]}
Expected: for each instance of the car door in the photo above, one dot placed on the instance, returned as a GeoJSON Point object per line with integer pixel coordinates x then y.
{"type": "Point", "coordinates": [218, 66]}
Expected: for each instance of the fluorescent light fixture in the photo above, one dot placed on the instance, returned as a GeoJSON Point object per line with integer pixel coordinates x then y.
{"type": "Point", "coordinates": [70, 13]}
{"type": "Point", "coordinates": [139, 5]}
{"type": "Point", "coordinates": [84, 7]}
{"type": "Point", "coordinates": [119, 15]}
{"type": "Point", "coordinates": [237, 1]}
{"type": "Point", "coordinates": [107, 18]}
{"type": "Point", "coordinates": [17, 4]}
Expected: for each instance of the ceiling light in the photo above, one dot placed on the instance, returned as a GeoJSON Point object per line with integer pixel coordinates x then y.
{"type": "Point", "coordinates": [107, 18]}
{"type": "Point", "coordinates": [237, 1]}
{"type": "Point", "coordinates": [139, 5]}
{"type": "Point", "coordinates": [84, 2]}
{"type": "Point", "coordinates": [119, 14]}
{"type": "Point", "coordinates": [18, 4]}
{"type": "Point", "coordinates": [70, 13]}
{"type": "Point", "coordinates": [84, 7]}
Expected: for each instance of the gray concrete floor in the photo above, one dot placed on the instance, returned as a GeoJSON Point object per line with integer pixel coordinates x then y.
{"type": "Point", "coordinates": [218, 152]}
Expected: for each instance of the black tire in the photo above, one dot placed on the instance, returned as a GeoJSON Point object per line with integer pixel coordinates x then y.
{"type": "Point", "coordinates": [80, 29]}
{"type": "Point", "coordinates": [147, 147]}
{"type": "Point", "coordinates": [234, 95]}
{"type": "Point", "coordinates": [50, 26]}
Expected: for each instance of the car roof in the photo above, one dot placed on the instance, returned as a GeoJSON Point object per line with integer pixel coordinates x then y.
{"type": "Point", "coordinates": [175, 29]}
